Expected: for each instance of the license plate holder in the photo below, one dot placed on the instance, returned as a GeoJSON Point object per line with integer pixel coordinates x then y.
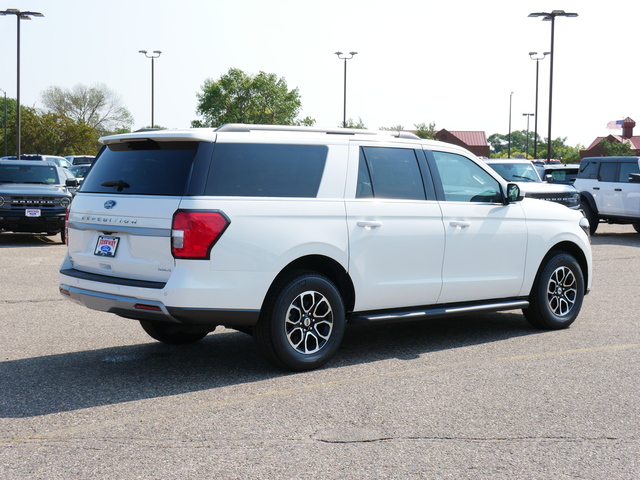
{"type": "Point", "coordinates": [106, 246]}
{"type": "Point", "coordinates": [32, 212]}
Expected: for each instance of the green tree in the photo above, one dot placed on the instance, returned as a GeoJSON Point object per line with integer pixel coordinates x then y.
{"type": "Point", "coordinates": [426, 131]}
{"type": "Point", "coordinates": [53, 134]}
{"type": "Point", "coordinates": [96, 106]}
{"type": "Point", "coordinates": [240, 98]}
{"type": "Point", "coordinates": [499, 145]}
{"type": "Point", "coordinates": [10, 123]}
{"type": "Point", "coordinates": [350, 123]}
{"type": "Point", "coordinates": [393, 128]}
{"type": "Point", "coordinates": [616, 149]}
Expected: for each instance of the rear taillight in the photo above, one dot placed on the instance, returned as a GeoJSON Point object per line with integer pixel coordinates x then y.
{"type": "Point", "coordinates": [66, 227]}
{"type": "Point", "coordinates": [194, 232]}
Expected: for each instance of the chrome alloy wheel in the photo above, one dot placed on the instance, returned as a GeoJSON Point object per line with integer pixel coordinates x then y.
{"type": "Point", "coordinates": [309, 322]}
{"type": "Point", "coordinates": [562, 291]}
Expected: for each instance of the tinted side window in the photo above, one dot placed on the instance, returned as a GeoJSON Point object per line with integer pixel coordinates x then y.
{"type": "Point", "coordinates": [627, 168]}
{"type": "Point", "coordinates": [144, 168]}
{"type": "Point", "coordinates": [389, 173]}
{"type": "Point", "coordinates": [608, 172]}
{"type": "Point", "coordinates": [464, 181]}
{"type": "Point", "coordinates": [588, 170]}
{"type": "Point", "coordinates": [266, 170]}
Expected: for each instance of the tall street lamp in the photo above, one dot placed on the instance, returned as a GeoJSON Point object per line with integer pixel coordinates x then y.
{"type": "Point", "coordinates": [345, 58]}
{"type": "Point", "coordinates": [509, 144]}
{"type": "Point", "coordinates": [526, 152]}
{"type": "Point", "coordinates": [532, 55]}
{"type": "Point", "coordinates": [152, 56]}
{"type": "Point", "coordinates": [4, 137]}
{"type": "Point", "coordinates": [551, 17]}
{"type": "Point", "coordinates": [19, 16]}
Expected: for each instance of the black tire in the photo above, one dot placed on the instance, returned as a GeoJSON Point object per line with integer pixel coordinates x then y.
{"type": "Point", "coordinates": [302, 322]}
{"type": "Point", "coordinates": [557, 293]}
{"type": "Point", "coordinates": [590, 215]}
{"type": "Point", "coordinates": [175, 334]}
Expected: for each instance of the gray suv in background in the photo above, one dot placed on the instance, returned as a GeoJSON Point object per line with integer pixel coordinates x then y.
{"type": "Point", "coordinates": [610, 190]}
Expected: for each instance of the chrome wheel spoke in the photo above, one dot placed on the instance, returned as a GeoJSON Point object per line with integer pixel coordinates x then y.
{"type": "Point", "coordinates": [562, 291]}
{"type": "Point", "coordinates": [309, 322]}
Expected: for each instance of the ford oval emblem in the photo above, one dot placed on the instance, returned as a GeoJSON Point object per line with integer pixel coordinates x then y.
{"type": "Point", "coordinates": [109, 204]}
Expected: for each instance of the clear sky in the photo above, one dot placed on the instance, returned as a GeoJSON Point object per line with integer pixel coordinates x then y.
{"type": "Point", "coordinates": [453, 63]}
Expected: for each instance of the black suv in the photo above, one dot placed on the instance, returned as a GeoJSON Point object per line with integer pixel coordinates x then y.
{"type": "Point", "coordinates": [34, 196]}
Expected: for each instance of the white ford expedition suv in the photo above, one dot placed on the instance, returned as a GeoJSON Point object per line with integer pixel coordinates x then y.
{"type": "Point", "coordinates": [293, 232]}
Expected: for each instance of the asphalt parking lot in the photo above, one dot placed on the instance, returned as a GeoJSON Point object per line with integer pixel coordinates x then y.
{"type": "Point", "coordinates": [87, 395]}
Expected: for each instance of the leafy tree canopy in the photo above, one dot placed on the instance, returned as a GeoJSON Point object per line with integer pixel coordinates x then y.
{"type": "Point", "coordinates": [426, 131]}
{"type": "Point", "coordinates": [48, 133]}
{"type": "Point", "coordinates": [96, 106]}
{"type": "Point", "coordinates": [616, 149]}
{"type": "Point", "coordinates": [499, 145]}
{"type": "Point", "coordinates": [351, 123]}
{"type": "Point", "coordinates": [240, 98]}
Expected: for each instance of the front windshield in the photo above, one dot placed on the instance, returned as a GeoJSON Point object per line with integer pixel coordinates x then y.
{"type": "Point", "coordinates": [19, 173]}
{"type": "Point", "coordinates": [516, 172]}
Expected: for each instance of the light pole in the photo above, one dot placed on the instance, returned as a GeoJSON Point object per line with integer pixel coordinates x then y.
{"type": "Point", "coordinates": [535, 123]}
{"type": "Point", "coordinates": [551, 17]}
{"type": "Point", "coordinates": [153, 56]}
{"type": "Point", "coordinates": [345, 58]}
{"type": "Point", "coordinates": [509, 144]}
{"type": "Point", "coordinates": [4, 137]}
{"type": "Point", "coordinates": [19, 16]}
{"type": "Point", "coordinates": [526, 152]}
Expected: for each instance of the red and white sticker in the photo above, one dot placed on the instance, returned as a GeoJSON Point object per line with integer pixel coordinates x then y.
{"type": "Point", "coordinates": [106, 246]}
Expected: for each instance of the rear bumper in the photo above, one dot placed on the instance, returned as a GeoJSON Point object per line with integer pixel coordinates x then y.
{"type": "Point", "coordinates": [137, 309]}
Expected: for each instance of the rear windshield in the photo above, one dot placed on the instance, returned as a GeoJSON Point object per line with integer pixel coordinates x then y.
{"type": "Point", "coordinates": [266, 170]}
{"type": "Point", "coordinates": [142, 168]}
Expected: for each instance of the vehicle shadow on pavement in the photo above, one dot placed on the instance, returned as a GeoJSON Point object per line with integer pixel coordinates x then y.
{"type": "Point", "coordinates": [13, 240]}
{"type": "Point", "coordinates": [615, 238]}
{"type": "Point", "coordinates": [85, 379]}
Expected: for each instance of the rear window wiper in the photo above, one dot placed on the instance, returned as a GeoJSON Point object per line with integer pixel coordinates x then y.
{"type": "Point", "coordinates": [121, 184]}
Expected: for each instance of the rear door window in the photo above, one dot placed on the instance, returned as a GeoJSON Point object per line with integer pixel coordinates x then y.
{"type": "Point", "coordinates": [266, 170]}
{"type": "Point", "coordinates": [389, 173]}
{"type": "Point", "coordinates": [142, 168]}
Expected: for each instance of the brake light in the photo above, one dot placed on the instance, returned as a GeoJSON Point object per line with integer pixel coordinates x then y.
{"type": "Point", "coordinates": [194, 232]}
{"type": "Point", "coordinates": [66, 227]}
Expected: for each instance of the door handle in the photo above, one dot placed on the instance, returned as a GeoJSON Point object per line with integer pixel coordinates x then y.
{"type": "Point", "coordinates": [459, 224]}
{"type": "Point", "coordinates": [617, 189]}
{"type": "Point", "coordinates": [596, 188]}
{"type": "Point", "coordinates": [369, 224]}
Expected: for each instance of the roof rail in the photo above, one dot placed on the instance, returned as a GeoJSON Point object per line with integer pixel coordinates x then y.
{"type": "Point", "coordinates": [245, 127]}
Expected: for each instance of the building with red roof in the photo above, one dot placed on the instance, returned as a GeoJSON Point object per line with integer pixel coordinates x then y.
{"type": "Point", "coordinates": [474, 141]}
{"type": "Point", "coordinates": [596, 150]}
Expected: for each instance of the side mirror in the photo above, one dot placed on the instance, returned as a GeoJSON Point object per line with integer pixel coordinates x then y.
{"type": "Point", "coordinates": [72, 182]}
{"type": "Point", "coordinates": [634, 178]}
{"type": "Point", "coordinates": [513, 193]}
{"type": "Point", "coordinates": [548, 178]}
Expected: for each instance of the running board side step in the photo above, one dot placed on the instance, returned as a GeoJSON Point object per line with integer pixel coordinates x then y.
{"type": "Point", "coordinates": [435, 311]}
